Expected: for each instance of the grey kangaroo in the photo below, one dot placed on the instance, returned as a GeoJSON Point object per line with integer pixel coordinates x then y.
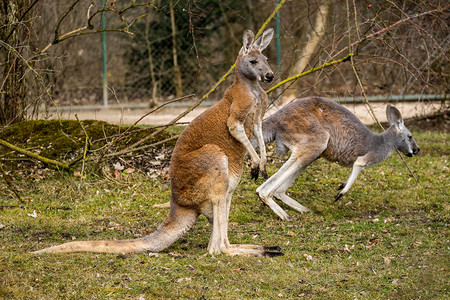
{"type": "Point", "coordinates": [317, 127]}
{"type": "Point", "coordinates": [207, 163]}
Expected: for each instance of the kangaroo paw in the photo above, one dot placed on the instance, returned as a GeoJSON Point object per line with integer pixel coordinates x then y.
{"type": "Point", "coordinates": [254, 173]}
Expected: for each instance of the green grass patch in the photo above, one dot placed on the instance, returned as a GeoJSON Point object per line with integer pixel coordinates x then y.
{"type": "Point", "coordinates": [387, 238]}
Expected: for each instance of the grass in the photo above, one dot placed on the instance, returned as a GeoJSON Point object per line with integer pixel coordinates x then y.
{"type": "Point", "coordinates": [387, 238]}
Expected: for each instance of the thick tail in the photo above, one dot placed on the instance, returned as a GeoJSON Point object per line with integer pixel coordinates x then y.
{"type": "Point", "coordinates": [174, 226]}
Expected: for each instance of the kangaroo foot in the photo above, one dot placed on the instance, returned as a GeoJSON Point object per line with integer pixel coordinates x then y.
{"type": "Point", "coordinates": [338, 196]}
{"type": "Point", "coordinates": [253, 250]}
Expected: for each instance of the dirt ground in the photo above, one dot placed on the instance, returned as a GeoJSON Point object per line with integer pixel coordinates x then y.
{"type": "Point", "coordinates": [128, 115]}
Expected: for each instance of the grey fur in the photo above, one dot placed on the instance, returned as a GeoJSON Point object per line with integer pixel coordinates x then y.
{"type": "Point", "coordinates": [317, 127]}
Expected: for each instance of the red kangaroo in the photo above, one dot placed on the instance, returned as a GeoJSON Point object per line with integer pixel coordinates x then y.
{"type": "Point", "coordinates": [207, 164]}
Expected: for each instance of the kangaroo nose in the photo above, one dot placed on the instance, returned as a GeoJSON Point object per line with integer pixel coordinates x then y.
{"type": "Point", "coordinates": [269, 77]}
{"type": "Point", "coordinates": [416, 150]}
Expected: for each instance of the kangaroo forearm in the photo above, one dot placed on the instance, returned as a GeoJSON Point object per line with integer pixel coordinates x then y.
{"type": "Point", "coordinates": [259, 137]}
{"type": "Point", "coordinates": [238, 132]}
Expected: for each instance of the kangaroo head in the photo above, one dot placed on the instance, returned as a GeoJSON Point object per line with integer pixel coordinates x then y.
{"type": "Point", "coordinates": [404, 139]}
{"type": "Point", "coordinates": [251, 63]}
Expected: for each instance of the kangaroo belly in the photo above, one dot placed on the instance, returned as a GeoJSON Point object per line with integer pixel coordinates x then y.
{"type": "Point", "coordinates": [344, 154]}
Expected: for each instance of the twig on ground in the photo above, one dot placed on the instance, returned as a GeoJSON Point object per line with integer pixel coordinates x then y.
{"type": "Point", "coordinates": [10, 184]}
{"type": "Point", "coordinates": [86, 148]}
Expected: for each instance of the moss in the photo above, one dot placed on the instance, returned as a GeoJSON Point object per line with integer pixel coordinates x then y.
{"type": "Point", "coordinates": [62, 139]}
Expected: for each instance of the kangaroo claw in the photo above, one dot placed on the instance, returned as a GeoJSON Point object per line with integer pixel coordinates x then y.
{"type": "Point", "coordinates": [254, 173]}
{"type": "Point", "coordinates": [273, 253]}
{"type": "Point", "coordinates": [273, 248]}
{"type": "Point", "coordinates": [264, 174]}
{"type": "Point", "coordinates": [338, 196]}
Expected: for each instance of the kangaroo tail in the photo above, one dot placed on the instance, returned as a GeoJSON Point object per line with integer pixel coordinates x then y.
{"type": "Point", "coordinates": [179, 221]}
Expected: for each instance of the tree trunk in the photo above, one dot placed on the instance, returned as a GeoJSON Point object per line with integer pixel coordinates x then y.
{"type": "Point", "coordinates": [12, 84]}
{"type": "Point", "coordinates": [154, 101]}
{"type": "Point", "coordinates": [308, 51]}
{"type": "Point", "coordinates": [176, 68]}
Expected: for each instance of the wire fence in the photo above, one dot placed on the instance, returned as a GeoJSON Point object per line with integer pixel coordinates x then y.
{"type": "Point", "coordinates": [174, 48]}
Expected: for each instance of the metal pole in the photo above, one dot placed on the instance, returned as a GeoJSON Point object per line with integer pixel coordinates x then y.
{"type": "Point", "coordinates": [104, 73]}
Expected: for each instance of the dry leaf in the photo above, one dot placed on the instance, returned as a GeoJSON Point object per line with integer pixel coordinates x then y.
{"type": "Point", "coordinates": [118, 166]}
{"type": "Point", "coordinates": [33, 215]}
{"type": "Point", "coordinates": [387, 260]}
{"type": "Point", "coordinates": [129, 170]}
{"type": "Point", "coordinates": [307, 256]}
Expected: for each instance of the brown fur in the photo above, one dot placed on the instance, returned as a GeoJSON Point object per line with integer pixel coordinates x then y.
{"type": "Point", "coordinates": [207, 163]}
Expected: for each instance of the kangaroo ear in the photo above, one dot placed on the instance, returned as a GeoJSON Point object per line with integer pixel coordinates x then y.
{"type": "Point", "coordinates": [394, 117]}
{"type": "Point", "coordinates": [264, 40]}
{"type": "Point", "coordinates": [247, 42]}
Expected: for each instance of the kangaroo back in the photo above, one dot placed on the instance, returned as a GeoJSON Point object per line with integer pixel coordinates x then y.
{"type": "Point", "coordinates": [348, 136]}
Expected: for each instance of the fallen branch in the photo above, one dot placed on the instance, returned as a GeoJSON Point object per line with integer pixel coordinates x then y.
{"type": "Point", "coordinates": [45, 160]}
{"type": "Point", "coordinates": [97, 165]}
{"type": "Point", "coordinates": [145, 147]}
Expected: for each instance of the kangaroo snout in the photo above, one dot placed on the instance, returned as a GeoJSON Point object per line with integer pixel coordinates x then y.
{"type": "Point", "coordinates": [415, 150]}
{"type": "Point", "coordinates": [268, 77]}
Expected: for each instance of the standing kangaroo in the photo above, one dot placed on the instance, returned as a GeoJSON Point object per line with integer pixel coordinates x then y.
{"type": "Point", "coordinates": [317, 127]}
{"type": "Point", "coordinates": [207, 164]}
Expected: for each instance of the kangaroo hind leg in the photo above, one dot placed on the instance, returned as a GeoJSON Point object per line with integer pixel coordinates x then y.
{"type": "Point", "coordinates": [215, 187]}
{"type": "Point", "coordinates": [280, 194]}
{"type": "Point", "coordinates": [306, 151]}
{"type": "Point", "coordinates": [244, 249]}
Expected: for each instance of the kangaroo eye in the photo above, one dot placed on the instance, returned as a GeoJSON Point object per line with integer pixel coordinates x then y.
{"type": "Point", "coordinates": [410, 137]}
{"type": "Point", "coordinates": [253, 62]}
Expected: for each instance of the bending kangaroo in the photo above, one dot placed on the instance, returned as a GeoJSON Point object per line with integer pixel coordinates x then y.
{"type": "Point", "coordinates": [317, 127]}
{"type": "Point", "coordinates": [207, 163]}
